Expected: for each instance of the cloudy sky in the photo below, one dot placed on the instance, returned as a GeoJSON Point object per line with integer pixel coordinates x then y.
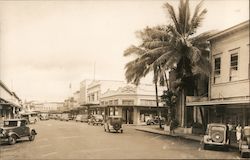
{"type": "Point", "coordinates": [46, 45]}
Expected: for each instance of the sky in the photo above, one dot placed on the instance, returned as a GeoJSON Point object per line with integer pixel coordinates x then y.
{"type": "Point", "coordinates": [47, 45]}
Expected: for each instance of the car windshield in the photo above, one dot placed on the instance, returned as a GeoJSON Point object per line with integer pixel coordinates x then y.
{"type": "Point", "coordinates": [10, 123]}
{"type": "Point", "coordinates": [217, 128]}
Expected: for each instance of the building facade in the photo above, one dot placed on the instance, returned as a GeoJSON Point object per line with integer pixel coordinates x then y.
{"type": "Point", "coordinates": [135, 104]}
{"type": "Point", "coordinates": [10, 103]}
{"type": "Point", "coordinates": [228, 98]}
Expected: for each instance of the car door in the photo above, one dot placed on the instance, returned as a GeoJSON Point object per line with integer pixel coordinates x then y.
{"type": "Point", "coordinates": [24, 129]}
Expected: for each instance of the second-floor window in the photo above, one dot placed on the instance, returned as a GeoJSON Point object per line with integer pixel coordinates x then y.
{"type": "Point", "coordinates": [217, 68]}
{"type": "Point", "coordinates": [217, 64]}
{"type": "Point", "coordinates": [234, 64]}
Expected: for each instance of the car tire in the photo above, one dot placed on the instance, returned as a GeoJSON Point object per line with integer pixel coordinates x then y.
{"type": "Point", "coordinates": [12, 139]}
{"type": "Point", "coordinates": [121, 131]}
{"type": "Point", "coordinates": [152, 123]}
{"type": "Point", "coordinates": [32, 136]}
{"type": "Point", "coordinates": [205, 147]}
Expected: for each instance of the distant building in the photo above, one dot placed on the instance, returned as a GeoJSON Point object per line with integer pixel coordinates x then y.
{"type": "Point", "coordinates": [76, 99]}
{"type": "Point", "coordinates": [97, 87]}
{"type": "Point", "coordinates": [135, 104]}
{"type": "Point", "coordinates": [229, 85]}
{"type": "Point", "coordinates": [42, 106]}
{"type": "Point", "coordinates": [10, 103]}
{"type": "Point", "coordinates": [83, 91]}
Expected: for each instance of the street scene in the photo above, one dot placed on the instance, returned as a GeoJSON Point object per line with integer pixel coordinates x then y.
{"type": "Point", "coordinates": [71, 140]}
{"type": "Point", "coordinates": [90, 79]}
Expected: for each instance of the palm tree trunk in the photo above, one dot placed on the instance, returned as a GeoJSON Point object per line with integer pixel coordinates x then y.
{"type": "Point", "coordinates": [166, 79]}
{"type": "Point", "coordinates": [157, 103]}
{"type": "Point", "coordinates": [183, 108]}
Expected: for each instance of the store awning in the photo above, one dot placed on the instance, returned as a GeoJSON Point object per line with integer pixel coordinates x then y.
{"type": "Point", "coordinates": [219, 102]}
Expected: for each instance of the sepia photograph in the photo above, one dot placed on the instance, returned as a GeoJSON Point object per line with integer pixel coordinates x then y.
{"type": "Point", "coordinates": [124, 79]}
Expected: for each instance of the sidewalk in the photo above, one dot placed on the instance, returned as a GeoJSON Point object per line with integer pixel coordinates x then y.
{"type": "Point", "coordinates": [178, 133]}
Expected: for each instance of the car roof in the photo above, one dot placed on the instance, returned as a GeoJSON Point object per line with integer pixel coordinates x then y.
{"type": "Point", "coordinates": [217, 124]}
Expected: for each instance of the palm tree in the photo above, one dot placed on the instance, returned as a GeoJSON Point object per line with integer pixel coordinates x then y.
{"type": "Point", "coordinates": [189, 54]}
{"type": "Point", "coordinates": [146, 53]}
{"type": "Point", "coordinates": [173, 47]}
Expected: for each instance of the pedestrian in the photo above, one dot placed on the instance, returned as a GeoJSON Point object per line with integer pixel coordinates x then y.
{"type": "Point", "coordinates": [171, 127]}
{"type": "Point", "coordinates": [238, 132]}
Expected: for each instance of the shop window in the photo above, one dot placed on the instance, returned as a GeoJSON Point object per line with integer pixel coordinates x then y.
{"type": "Point", "coordinates": [111, 111]}
{"type": "Point", "coordinates": [116, 111]}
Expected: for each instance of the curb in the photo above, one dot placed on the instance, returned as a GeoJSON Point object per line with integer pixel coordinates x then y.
{"type": "Point", "coordinates": [166, 134]}
{"type": "Point", "coordinates": [184, 137]}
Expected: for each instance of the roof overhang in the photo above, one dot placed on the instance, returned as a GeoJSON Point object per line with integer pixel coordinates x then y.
{"type": "Point", "coordinates": [219, 102]}
{"type": "Point", "coordinates": [235, 28]}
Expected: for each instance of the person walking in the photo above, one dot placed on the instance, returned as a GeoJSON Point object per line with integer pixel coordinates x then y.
{"type": "Point", "coordinates": [238, 132]}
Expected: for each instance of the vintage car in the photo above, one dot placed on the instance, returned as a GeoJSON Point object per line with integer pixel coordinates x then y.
{"type": "Point", "coordinates": [244, 144]}
{"type": "Point", "coordinates": [30, 117]}
{"type": "Point", "coordinates": [216, 135]}
{"type": "Point", "coordinates": [113, 123]}
{"type": "Point", "coordinates": [96, 119]}
{"type": "Point", "coordinates": [155, 120]}
{"type": "Point", "coordinates": [81, 118]}
{"type": "Point", "coordinates": [64, 117]}
{"type": "Point", "coordinates": [44, 116]}
{"type": "Point", "coordinates": [14, 129]}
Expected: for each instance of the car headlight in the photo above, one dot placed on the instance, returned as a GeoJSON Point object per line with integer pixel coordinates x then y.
{"type": "Point", "coordinates": [3, 132]}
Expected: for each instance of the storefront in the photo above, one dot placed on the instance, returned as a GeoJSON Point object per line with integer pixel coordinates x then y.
{"type": "Point", "coordinates": [226, 112]}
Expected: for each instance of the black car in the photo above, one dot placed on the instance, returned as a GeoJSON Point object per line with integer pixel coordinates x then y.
{"type": "Point", "coordinates": [155, 120]}
{"type": "Point", "coordinates": [113, 123]}
{"type": "Point", "coordinates": [14, 129]}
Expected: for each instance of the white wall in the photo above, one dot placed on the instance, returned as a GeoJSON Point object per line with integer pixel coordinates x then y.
{"type": "Point", "coordinates": [224, 88]}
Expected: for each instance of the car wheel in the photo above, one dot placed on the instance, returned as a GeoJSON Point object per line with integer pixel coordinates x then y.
{"type": "Point", "coordinates": [121, 131]}
{"type": "Point", "coordinates": [104, 129]}
{"type": "Point", "coordinates": [32, 136]}
{"type": "Point", "coordinates": [152, 123]}
{"type": "Point", "coordinates": [205, 147]}
{"type": "Point", "coordinates": [12, 139]}
{"type": "Point", "coordinates": [242, 154]}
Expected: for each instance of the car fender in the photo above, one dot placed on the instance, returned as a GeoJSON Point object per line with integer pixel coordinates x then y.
{"type": "Point", "coordinates": [33, 130]}
{"type": "Point", "coordinates": [13, 133]}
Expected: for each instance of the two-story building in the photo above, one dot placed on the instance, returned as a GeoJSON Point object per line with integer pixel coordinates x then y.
{"type": "Point", "coordinates": [94, 91]}
{"type": "Point", "coordinates": [228, 98]}
{"type": "Point", "coordinates": [135, 104]}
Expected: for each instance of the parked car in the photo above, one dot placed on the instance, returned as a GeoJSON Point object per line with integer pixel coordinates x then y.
{"type": "Point", "coordinates": [44, 116]}
{"type": "Point", "coordinates": [244, 144]}
{"type": "Point", "coordinates": [155, 120]}
{"type": "Point", "coordinates": [64, 117]}
{"type": "Point", "coordinates": [30, 117]}
{"type": "Point", "coordinates": [78, 118]}
{"type": "Point", "coordinates": [84, 118]}
{"type": "Point", "coordinates": [14, 129]}
{"type": "Point", "coordinates": [95, 119]}
{"type": "Point", "coordinates": [216, 135]}
{"type": "Point", "coordinates": [113, 123]}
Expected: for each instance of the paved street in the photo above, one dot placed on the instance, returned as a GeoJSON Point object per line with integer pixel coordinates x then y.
{"type": "Point", "coordinates": [71, 140]}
